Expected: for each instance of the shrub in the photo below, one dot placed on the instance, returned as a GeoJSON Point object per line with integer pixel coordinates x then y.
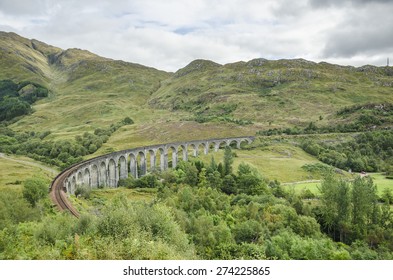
{"type": "Point", "coordinates": [34, 189]}
{"type": "Point", "coordinates": [83, 191]}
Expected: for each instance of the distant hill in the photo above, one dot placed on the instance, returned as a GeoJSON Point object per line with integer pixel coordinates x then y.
{"type": "Point", "coordinates": [272, 93]}
{"type": "Point", "coordinates": [203, 99]}
{"type": "Point", "coordinates": [86, 91]}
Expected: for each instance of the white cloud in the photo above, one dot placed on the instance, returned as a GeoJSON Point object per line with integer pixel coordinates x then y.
{"type": "Point", "coordinates": [169, 34]}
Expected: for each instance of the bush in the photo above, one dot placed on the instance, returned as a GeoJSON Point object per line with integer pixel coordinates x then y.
{"type": "Point", "coordinates": [127, 120]}
{"type": "Point", "coordinates": [34, 189]}
{"type": "Point", "coordinates": [83, 191]}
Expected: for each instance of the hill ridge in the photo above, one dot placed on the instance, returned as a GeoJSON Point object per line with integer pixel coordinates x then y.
{"type": "Point", "coordinates": [88, 91]}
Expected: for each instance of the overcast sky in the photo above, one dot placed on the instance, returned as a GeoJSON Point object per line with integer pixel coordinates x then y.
{"type": "Point", "coordinates": [168, 34]}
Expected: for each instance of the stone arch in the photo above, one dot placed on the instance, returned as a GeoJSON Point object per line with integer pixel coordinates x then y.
{"type": "Point", "coordinates": [163, 158]}
{"type": "Point", "coordinates": [194, 149]}
{"type": "Point", "coordinates": [142, 168]}
{"type": "Point", "coordinates": [221, 144]}
{"type": "Point", "coordinates": [123, 167]}
{"type": "Point", "coordinates": [172, 152]}
{"type": "Point", "coordinates": [94, 176]}
{"type": "Point", "coordinates": [233, 143]}
{"type": "Point", "coordinates": [73, 184]}
{"type": "Point", "coordinates": [152, 156]}
{"type": "Point", "coordinates": [243, 141]}
{"type": "Point", "coordinates": [79, 179]}
{"type": "Point", "coordinates": [112, 170]}
{"type": "Point", "coordinates": [103, 175]}
{"type": "Point", "coordinates": [133, 166]}
{"type": "Point", "coordinates": [68, 186]}
{"type": "Point", "coordinates": [86, 177]}
{"type": "Point", "coordinates": [183, 149]}
{"type": "Point", "coordinates": [203, 147]}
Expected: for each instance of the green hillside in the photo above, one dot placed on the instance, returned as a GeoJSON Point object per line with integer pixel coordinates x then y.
{"type": "Point", "coordinates": [272, 93]}
{"type": "Point", "coordinates": [86, 91]}
{"type": "Point", "coordinates": [206, 98]}
{"type": "Point", "coordinates": [294, 193]}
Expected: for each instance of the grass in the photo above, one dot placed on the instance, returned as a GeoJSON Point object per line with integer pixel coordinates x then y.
{"type": "Point", "coordinates": [378, 178]}
{"type": "Point", "coordinates": [145, 195]}
{"type": "Point", "coordinates": [88, 91]}
{"type": "Point", "coordinates": [13, 174]}
{"type": "Point", "coordinates": [381, 182]}
{"type": "Point", "coordinates": [299, 187]}
{"type": "Point", "coordinates": [282, 162]}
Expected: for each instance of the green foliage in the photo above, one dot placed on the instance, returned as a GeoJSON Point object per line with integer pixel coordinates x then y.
{"type": "Point", "coordinates": [62, 153]}
{"type": "Point", "coordinates": [147, 181]}
{"type": "Point", "coordinates": [318, 168]}
{"type": "Point", "coordinates": [228, 161]}
{"type": "Point", "coordinates": [364, 202]}
{"type": "Point", "coordinates": [358, 118]}
{"type": "Point", "coordinates": [122, 231]}
{"type": "Point", "coordinates": [370, 151]}
{"type": "Point", "coordinates": [15, 99]}
{"type": "Point", "coordinates": [15, 209]}
{"type": "Point", "coordinates": [350, 212]}
{"type": "Point", "coordinates": [35, 189]}
{"type": "Point", "coordinates": [387, 196]}
{"type": "Point", "coordinates": [127, 121]}
{"type": "Point", "coordinates": [83, 191]}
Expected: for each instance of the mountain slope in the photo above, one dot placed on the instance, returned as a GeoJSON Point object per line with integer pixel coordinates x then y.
{"type": "Point", "coordinates": [282, 92]}
{"type": "Point", "coordinates": [203, 99]}
{"type": "Point", "coordinates": [87, 91]}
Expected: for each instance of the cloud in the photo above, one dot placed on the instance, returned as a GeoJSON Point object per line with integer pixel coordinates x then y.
{"type": "Point", "coordinates": [169, 34]}
{"type": "Point", "coordinates": [331, 3]}
{"type": "Point", "coordinates": [365, 31]}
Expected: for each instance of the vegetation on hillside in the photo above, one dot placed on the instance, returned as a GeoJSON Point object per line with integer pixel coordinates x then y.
{"type": "Point", "coordinates": [62, 153]}
{"type": "Point", "coordinates": [368, 151]}
{"type": "Point", "coordinates": [210, 211]}
{"type": "Point", "coordinates": [16, 99]}
{"type": "Point", "coordinates": [272, 93]}
{"type": "Point", "coordinates": [202, 209]}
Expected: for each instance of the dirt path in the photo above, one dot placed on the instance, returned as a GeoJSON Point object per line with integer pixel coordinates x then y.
{"type": "Point", "coordinates": [52, 171]}
{"type": "Point", "coordinates": [302, 182]}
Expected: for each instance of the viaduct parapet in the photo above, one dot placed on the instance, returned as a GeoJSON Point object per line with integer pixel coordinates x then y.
{"type": "Point", "coordinates": [108, 169]}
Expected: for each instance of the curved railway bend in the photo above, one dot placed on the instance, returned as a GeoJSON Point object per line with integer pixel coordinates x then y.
{"type": "Point", "coordinates": [107, 170]}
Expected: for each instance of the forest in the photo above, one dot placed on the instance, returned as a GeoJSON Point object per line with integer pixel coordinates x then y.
{"type": "Point", "coordinates": [202, 210]}
{"type": "Point", "coordinates": [16, 99]}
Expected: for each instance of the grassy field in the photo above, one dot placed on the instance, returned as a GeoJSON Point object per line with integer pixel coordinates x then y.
{"type": "Point", "coordinates": [14, 170]}
{"type": "Point", "coordinates": [381, 182]}
{"type": "Point", "coordinates": [145, 195]}
{"type": "Point", "coordinates": [378, 178]}
{"type": "Point", "coordinates": [282, 162]}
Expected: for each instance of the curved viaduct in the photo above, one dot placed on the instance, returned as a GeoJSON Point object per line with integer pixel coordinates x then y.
{"type": "Point", "coordinates": [107, 170]}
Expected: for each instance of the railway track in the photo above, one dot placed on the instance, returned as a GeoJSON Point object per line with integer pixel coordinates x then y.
{"type": "Point", "coordinates": [58, 195]}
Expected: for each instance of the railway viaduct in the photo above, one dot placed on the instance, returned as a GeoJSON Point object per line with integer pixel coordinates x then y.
{"type": "Point", "coordinates": [108, 169]}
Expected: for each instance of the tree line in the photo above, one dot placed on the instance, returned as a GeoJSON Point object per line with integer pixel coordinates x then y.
{"type": "Point", "coordinates": [62, 153]}
{"type": "Point", "coordinates": [369, 151]}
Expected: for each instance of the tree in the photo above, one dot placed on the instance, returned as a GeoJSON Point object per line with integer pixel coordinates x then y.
{"type": "Point", "coordinates": [202, 180]}
{"type": "Point", "coordinates": [228, 160]}
{"type": "Point", "coordinates": [229, 185]}
{"type": "Point", "coordinates": [34, 189]}
{"type": "Point", "coordinates": [364, 200]}
{"type": "Point", "coordinates": [336, 206]}
{"type": "Point", "coordinates": [343, 209]}
{"type": "Point", "coordinates": [214, 180]}
{"type": "Point", "coordinates": [212, 167]}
